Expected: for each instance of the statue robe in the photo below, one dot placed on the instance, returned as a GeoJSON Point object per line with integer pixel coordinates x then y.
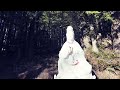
{"type": "Point", "coordinates": [66, 67]}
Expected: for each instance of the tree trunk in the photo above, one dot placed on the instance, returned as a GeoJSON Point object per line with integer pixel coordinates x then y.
{"type": "Point", "coordinates": [86, 41]}
{"type": "Point", "coordinates": [94, 46]}
{"type": "Point", "coordinates": [30, 41]}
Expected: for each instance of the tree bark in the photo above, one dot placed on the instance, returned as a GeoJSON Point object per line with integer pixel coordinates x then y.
{"type": "Point", "coordinates": [30, 41]}
{"type": "Point", "coordinates": [86, 41]}
{"type": "Point", "coordinates": [94, 46]}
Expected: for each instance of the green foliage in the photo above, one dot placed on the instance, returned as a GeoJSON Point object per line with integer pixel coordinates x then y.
{"type": "Point", "coordinates": [45, 18]}
{"type": "Point", "coordinates": [92, 12]}
{"type": "Point", "coordinates": [107, 16]}
{"type": "Point", "coordinates": [51, 17]}
{"type": "Point", "coordinates": [97, 14]}
{"type": "Point", "coordinates": [32, 14]}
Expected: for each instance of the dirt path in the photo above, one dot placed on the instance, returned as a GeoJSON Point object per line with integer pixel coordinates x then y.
{"type": "Point", "coordinates": [46, 67]}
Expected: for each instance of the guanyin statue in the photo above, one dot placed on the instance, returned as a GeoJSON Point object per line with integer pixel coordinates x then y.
{"type": "Point", "coordinates": [72, 63]}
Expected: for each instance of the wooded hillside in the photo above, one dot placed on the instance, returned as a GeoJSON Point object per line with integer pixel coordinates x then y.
{"type": "Point", "coordinates": [30, 41]}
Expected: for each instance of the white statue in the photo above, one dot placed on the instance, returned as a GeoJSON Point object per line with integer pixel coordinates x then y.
{"type": "Point", "coordinates": [72, 63]}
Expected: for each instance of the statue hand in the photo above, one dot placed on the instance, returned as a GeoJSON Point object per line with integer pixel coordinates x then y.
{"type": "Point", "coordinates": [76, 62]}
{"type": "Point", "coordinates": [71, 50]}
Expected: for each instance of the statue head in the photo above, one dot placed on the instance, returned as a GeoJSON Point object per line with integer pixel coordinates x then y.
{"type": "Point", "coordinates": [70, 34]}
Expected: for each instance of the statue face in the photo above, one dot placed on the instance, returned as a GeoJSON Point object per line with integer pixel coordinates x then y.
{"type": "Point", "coordinates": [70, 34]}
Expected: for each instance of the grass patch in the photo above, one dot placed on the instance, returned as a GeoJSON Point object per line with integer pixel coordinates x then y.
{"type": "Point", "coordinates": [106, 54]}
{"type": "Point", "coordinates": [105, 58]}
